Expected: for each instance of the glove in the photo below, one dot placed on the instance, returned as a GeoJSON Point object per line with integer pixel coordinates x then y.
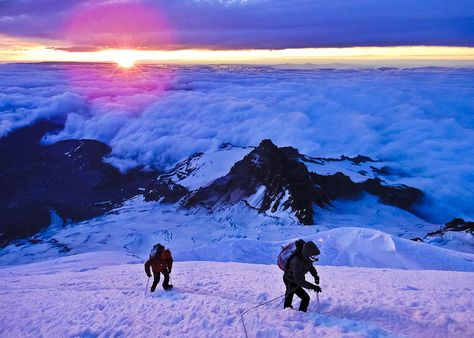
{"type": "Point", "coordinates": [316, 280]}
{"type": "Point", "coordinates": [149, 275]}
{"type": "Point", "coordinates": [316, 288]}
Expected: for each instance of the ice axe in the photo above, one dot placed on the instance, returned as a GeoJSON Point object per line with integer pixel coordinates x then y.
{"type": "Point", "coordinates": [317, 297]}
{"type": "Point", "coordinates": [147, 282]}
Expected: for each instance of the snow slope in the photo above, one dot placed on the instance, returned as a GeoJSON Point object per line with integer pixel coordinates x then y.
{"type": "Point", "coordinates": [238, 234]}
{"type": "Point", "coordinates": [202, 169]}
{"type": "Point", "coordinates": [102, 295]}
{"type": "Point", "coordinates": [358, 172]}
{"type": "Point", "coordinates": [341, 247]}
{"type": "Point", "coordinates": [368, 212]}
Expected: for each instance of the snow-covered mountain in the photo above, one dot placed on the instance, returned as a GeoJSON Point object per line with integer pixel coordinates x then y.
{"type": "Point", "coordinates": [272, 180]}
{"type": "Point", "coordinates": [200, 169]}
{"type": "Point", "coordinates": [258, 193]}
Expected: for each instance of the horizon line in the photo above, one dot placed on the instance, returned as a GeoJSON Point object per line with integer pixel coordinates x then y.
{"type": "Point", "coordinates": [370, 54]}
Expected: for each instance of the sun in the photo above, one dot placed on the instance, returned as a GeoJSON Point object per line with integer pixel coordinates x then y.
{"type": "Point", "coordinates": [125, 63]}
{"type": "Point", "coordinates": [123, 58]}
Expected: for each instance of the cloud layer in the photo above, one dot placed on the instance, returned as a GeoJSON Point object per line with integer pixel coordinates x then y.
{"type": "Point", "coordinates": [220, 24]}
{"type": "Point", "coordinates": [422, 120]}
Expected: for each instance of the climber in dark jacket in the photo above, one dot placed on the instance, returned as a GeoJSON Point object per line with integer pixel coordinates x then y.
{"type": "Point", "coordinates": [294, 277]}
{"type": "Point", "coordinates": [160, 262]}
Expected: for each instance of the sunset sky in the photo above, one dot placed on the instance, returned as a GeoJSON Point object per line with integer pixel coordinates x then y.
{"type": "Point", "coordinates": [255, 31]}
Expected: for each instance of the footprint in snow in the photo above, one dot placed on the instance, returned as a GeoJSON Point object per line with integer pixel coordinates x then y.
{"type": "Point", "coordinates": [263, 297]}
{"type": "Point", "coordinates": [409, 288]}
{"type": "Point", "coordinates": [171, 295]}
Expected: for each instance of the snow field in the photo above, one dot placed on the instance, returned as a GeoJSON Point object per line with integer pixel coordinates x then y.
{"type": "Point", "coordinates": [236, 234]}
{"type": "Point", "coordinates": [206, 168]}
{"type": "Point", "coordinates": [87, 296]}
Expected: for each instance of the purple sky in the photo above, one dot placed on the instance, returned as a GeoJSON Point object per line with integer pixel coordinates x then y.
{"type": "Point", "coordinates": [263, 23]}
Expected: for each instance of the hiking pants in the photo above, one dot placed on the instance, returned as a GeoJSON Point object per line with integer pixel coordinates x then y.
{"type": "Point", "coordinates": [156, 280]}
{"type": "Point", "coordinates": [291, 290]}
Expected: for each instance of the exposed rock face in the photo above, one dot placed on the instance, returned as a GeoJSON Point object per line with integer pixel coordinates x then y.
{"type": "Point", "coordinates": [456, 234]}
{"type": "Point", "coordinates": [289, 184]}
{"type": "Point", "coordinates": [457, 224]}
{"type": "Point", "coordinates": [265, 166]}
{"type": "Point", "coordinates": [341, 186]}
{"type": "Point", "coordinates": [165, 190]}
{"type": "Point", "coordinates": [68, 177]}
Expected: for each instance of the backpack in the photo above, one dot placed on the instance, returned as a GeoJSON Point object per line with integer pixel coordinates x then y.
{"type": "Point", "coordinates": [157, 248]}
{"type": "Point", "coordinates": [288, 252]}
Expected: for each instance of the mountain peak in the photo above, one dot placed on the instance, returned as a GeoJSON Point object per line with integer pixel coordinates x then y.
{"type": "Point", "coordinates": [272, 179]}
{"type": "Point", "coordinates": [267, 143]}
{"type": "Point", "coordinates": [283, 182]}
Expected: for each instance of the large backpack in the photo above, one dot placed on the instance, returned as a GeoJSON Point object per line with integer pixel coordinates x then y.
{"type": "Point", "coordinates": [157, 248]}
{"type": "Point", "coordinates": [288, 252]}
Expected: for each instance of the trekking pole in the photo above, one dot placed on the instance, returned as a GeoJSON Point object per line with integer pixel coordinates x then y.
{"type": "Point", "coordinates": [319, 308]}
{"type": "Point", "coordinates": [147, 282]}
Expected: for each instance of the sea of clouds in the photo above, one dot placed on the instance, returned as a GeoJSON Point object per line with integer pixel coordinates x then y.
{"type": "Point", "coordinates": [421, 120]}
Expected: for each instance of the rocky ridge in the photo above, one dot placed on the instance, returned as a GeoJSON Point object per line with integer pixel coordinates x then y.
{"type": "Point", "coordinates": [285, 182]}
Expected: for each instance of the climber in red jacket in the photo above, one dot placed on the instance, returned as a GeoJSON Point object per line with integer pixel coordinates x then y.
{"type": "Point", "coordinates": [160, 261]}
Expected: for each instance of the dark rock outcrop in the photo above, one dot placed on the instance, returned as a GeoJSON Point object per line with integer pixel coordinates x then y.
{"type": "Point", "coordinates": [165, 190]}
{"type": "Point", "coordinates": [266, 165]}
{"type": "Point", "coordinates": [68, 177]}
{"type": "Point", "coordinates": [457, 224]}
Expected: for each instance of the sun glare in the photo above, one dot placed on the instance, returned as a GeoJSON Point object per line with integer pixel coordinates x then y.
{"type": "Point", "coordinates": [125, 63]}
{"type": "Point", "coordinates": [123, 58]}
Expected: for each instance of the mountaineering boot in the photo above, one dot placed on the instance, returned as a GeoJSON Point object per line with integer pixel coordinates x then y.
{"type": "Point", "coordinates": [168, 287]}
